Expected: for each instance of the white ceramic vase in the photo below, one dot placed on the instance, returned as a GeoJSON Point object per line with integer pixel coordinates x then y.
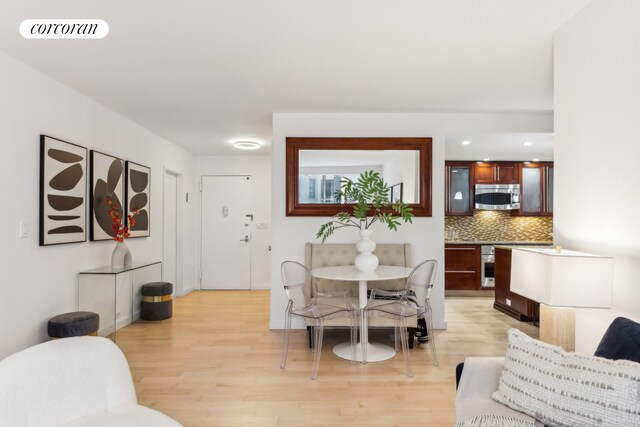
{"type": "Point", "coordinates": [121, 256]}
{"type": "Point", "coordinates": [366, 261]}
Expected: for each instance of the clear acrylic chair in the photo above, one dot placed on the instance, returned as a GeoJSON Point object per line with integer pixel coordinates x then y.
{"type": "Point", "coordinates": [404, 304]}
{"type": "Point", "coordinates": [306, 302]}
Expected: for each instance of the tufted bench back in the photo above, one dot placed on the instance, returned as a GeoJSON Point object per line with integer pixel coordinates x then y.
{"type": "Point", "coordinates": [331, 254]}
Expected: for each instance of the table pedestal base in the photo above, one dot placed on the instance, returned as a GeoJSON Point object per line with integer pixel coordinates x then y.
{"type": "Point", "coordinates": [376, 352]}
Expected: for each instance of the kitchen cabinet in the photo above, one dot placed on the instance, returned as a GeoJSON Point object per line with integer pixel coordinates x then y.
{"type": "Point", "coordinates": [536, 187]}
{"type": "Point", "coordinates": [458, 188]}
{"type": "Point", "coordinates": [461, 267]}
{"type": "Point", "coordinates": [495, 173]}
{"type": "Point", "coordinates": [506, 301]}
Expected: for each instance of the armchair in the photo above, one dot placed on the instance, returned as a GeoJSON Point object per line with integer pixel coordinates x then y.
{"type": "Point", "coordinates": [72, 382]}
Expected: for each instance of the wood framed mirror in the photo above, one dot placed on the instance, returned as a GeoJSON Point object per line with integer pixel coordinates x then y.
{"type": "Point", "coordinates": [315, 167]}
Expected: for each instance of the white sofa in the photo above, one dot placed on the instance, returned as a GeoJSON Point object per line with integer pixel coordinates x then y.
{"type": "Point", "coordinates": [72, 382]}
{"type": "Point", "coordinates": [478, 382]}
{"type": "Point", "coordinates": [556, 387]}
{"type": "Point", "coordinates": [319, 255]}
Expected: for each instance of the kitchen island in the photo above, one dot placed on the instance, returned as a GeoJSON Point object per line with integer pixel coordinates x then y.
{"type": "Point", "coordinates": [508, 302]}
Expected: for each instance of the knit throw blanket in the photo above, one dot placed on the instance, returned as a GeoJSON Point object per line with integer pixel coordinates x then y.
{"type": "Point", "coordinates": [494, 421]}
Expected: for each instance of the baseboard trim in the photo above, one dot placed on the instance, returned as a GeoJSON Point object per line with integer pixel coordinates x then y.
{"type": "Point", "coordinates": [482, 293]}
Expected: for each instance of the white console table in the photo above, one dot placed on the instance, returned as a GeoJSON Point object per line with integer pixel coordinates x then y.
{"type": "Point", "coordinates": [115, 293]}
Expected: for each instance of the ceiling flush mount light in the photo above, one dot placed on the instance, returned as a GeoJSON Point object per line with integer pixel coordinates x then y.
{"type": "Point", "coordinates": [536, 160]}
{"type": "Point", "coordinates": [528, 143]}
{"type": "Point", "coordinates": [246, 145]}
{"type": "Point", "coordinates": [466, 142]}
{"type": "Point", "coordinates": [486, 159]}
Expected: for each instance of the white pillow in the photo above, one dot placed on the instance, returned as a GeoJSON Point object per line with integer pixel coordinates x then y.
{"type": "Point", "coordinates": [568, 389]}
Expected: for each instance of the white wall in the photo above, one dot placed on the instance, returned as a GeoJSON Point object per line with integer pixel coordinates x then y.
{"type": "Point", "coordinates": [40, 282]}
{"type": "Point", "coordinates": [597, 150]}
{"type": "Point", "coordinates": [289, 234]}
{"type": "Point", "coordinates": [403, 168]}
{"type": "Point", "coordinates": [259, 167]}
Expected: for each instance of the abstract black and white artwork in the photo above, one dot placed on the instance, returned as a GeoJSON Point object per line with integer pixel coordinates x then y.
{"type": "Point", "coordinates": [106, 181]}
{"type": "Point", "coordinates": [138, 189]}
{"type": "Point", "coordinates": [63, 192]}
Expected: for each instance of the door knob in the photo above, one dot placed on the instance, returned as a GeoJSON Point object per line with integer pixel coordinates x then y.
{"type": "Point", "coordinates": [246, 239]}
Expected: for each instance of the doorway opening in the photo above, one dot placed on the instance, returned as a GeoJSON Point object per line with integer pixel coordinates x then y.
{"type": "Point", "coordinates": [171, 246]}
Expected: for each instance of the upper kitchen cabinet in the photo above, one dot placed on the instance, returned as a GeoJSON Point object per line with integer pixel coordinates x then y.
{"type": "Point", "coordinates": [458, 188]}
{"type": "Point", "coordinates": [537, 189]}
{"type": "Point", "coordinates": [496, 173]}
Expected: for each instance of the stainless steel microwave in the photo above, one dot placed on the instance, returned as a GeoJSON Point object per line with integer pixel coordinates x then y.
{"type": "Point", "coordinates": [497, 197]}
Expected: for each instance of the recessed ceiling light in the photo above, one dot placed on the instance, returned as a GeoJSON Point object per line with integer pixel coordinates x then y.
{"type": "Point", "coordinates": [485, 159]}
{"type": "Point", "coordinates": [528, 143]}
{"type": "Point", "coordinates": [466, 142]}
{"type": "Point", "coordinates": [536, 160]}
{"type": "Point", "coordinates": [246, 145]}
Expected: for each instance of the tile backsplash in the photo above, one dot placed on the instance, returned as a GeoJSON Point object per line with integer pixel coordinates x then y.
{"type": "Point", "coordinates": [498, 226]}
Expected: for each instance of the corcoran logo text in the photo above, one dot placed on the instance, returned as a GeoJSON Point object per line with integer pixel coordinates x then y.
{"type": "Point", "coordinates": [64, 29]}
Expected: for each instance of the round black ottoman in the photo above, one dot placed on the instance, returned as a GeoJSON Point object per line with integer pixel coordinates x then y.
{"type": "Point", "coordinates": [74, 324]}
{"type": "Point", "coordinates": [157, 303]}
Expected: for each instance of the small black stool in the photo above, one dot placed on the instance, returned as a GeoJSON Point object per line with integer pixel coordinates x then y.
{"type": "Point", "coordinates": [73, 324]}
{"type": "Point", "coordinates": [157, 303]}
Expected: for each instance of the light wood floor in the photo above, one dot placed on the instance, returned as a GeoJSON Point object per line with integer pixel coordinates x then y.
{"type": "Point", "coordinates": [216, 363]}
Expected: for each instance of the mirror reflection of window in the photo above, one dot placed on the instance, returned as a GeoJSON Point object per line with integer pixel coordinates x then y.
{"type": "Point", "coordinates": [312, 188]}
{"type": "Point", "coordinates": [320, 189]}
{"type": "Point", "coordinates": [327, 193]}
{"type": "Point", "coordinates": [327, 167]}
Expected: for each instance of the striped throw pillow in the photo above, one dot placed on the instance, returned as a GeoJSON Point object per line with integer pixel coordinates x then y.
{"type": "Point", "coordinates": [568, 389]}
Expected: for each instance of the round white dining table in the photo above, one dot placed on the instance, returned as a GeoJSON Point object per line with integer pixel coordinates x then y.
{"type": "Point", "coordinates": [376, 352]}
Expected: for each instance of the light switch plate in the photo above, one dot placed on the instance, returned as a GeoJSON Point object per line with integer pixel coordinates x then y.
{"type": "Point", "coordinates": [24, 230]}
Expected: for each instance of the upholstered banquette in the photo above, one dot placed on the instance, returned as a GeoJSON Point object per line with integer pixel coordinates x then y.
{"type": "Point", "coordinates": [333, 254]}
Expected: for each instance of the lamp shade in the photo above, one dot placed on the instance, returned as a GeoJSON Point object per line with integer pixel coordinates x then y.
{"type": "Point", "coordinates": [562, 278]}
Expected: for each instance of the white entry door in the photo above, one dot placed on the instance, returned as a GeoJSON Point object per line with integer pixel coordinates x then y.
{"type": "Point", "coordinates": [226, 232]}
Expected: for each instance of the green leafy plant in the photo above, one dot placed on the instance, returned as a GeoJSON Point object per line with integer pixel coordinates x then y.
{"type": "Point", "coordinates": [370, 198]}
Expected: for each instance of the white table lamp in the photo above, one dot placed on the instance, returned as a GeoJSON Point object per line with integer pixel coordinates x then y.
{"type": "Point", "coordinates": [560, 280]}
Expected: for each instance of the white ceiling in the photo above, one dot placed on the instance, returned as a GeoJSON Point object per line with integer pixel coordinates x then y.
{"type": "Point", "coordinates": [500, 146]}
{"type": "Point", "coordinates": [204, 73]}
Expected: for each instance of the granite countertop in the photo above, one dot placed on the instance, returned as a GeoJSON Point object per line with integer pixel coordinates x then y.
{"type": "Point", "coordinates": [526, 245]}
{"type": "Point", "coordinates": [498, 243]}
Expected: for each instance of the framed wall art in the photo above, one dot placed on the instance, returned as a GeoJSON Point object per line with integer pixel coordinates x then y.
{"type": "Point", "coordinates": [106, 176]}
{"type": "Point", "coordinates": [138, 197]}
{"type": "Point", "coordinates": [63, 192]}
